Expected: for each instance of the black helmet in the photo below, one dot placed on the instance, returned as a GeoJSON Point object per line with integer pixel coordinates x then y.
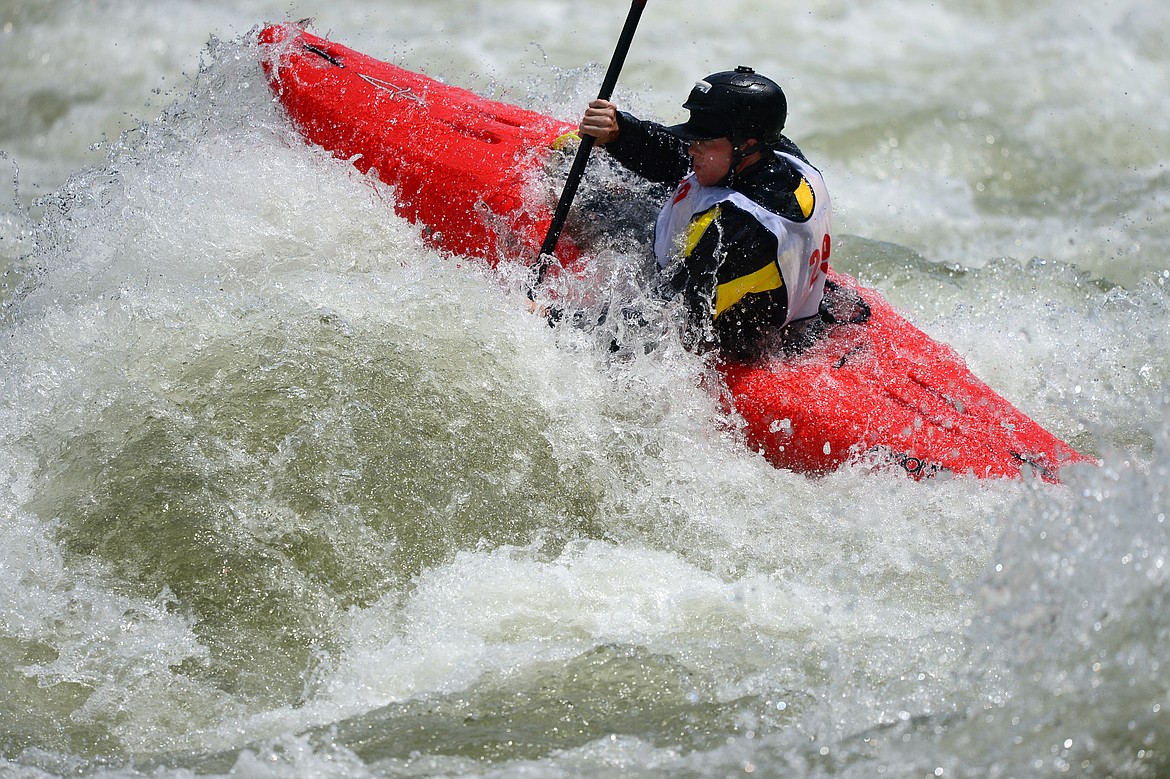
{"type": "Point", "coordinates": [737, 104]}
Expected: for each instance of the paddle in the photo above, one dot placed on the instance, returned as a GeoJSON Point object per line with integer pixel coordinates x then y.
{"type": "Point", "coordinates": [548, 248]}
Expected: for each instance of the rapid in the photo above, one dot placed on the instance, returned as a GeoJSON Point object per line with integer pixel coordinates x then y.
{"type": "Point", "coordinates": [284, 492]}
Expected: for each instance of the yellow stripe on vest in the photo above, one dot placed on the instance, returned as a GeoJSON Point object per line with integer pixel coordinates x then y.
{"type": "Point", "coordinates": [765, 279]}
{"type": "Point", "coordinates": [805, 198]}
{"type": "Point", "coordinates": [699, 226]}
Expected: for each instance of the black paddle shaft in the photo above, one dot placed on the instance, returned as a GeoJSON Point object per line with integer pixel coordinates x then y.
{"type": "Point", "coordinates": [548, 248]}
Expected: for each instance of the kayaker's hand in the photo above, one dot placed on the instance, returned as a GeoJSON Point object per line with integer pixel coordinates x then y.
{"type": "Point", "coordinates": [601, 122]}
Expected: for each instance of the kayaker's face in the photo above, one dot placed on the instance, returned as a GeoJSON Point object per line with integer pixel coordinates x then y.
{"type": "Point", "coordinates": [711, 160]}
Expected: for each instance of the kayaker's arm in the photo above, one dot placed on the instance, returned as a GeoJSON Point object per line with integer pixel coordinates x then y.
{"type": "Point", "coordinates": [645, 148]}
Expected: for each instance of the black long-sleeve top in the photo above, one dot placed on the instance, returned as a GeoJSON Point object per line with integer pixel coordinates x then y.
{"type": "Point", "coordinates": [736, 244]}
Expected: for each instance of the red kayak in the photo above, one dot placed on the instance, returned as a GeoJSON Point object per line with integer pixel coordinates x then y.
{"type": "Point", "coordinates": [470, 170]}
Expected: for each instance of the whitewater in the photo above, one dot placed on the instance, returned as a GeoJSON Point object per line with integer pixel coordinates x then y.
{"type": "Point", "coordinates": [285, 492]}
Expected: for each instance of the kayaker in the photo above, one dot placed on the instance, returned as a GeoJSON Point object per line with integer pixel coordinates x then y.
{"type": "Point", "coordinates": [744, 238]}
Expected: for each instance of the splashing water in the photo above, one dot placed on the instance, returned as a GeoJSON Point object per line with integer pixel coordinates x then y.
{"type": "Point", "coordinates": [287, 493]}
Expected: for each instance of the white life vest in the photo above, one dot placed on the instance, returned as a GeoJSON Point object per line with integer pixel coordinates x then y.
{"type": "Point", "coordinates": [803, 247]}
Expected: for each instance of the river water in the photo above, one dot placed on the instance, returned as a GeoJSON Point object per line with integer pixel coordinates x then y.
{"type": "Point", "coordinates": [286, 493]}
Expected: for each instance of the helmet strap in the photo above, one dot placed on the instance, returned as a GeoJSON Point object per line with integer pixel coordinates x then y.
{"type": "Point", "coordinates": [740, 150]}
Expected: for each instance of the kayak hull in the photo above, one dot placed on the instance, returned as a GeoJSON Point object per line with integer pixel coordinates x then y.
{"type": "Point", "coordinates": [885, 392]}
{"type": "Point", "coordinates": [462, 166]}
{"type": "Point", "coordinates": [469, 171]}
